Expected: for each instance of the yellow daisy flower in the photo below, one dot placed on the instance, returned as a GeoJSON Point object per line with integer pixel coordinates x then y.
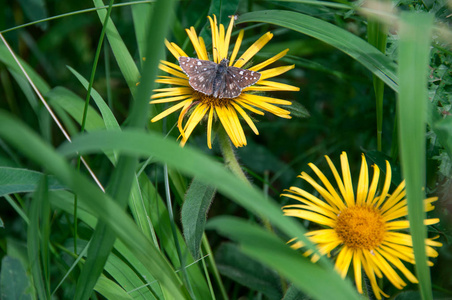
{"type": "Point", "coordinates": [198, 105]}
{"type": "Point", "coordinates": [362, 228]}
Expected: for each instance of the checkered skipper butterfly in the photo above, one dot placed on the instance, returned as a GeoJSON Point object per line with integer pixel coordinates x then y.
{"type": "Point", "coordinates": [219, 80]}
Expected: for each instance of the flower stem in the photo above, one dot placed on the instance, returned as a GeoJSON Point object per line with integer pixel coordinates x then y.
{"type": "Point", "coordinates": [230, 160]}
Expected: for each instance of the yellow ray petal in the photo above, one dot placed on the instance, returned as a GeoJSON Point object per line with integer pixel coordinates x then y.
{"type": "Point", "coordinates": [386, 185]}
{"type": "Point", "coordinates": [246, 118]}
{"type": "Point", "coordinates": [175, 52]}
{"type": "Point", "coordinates": [363, 182]}
{"type": "Point", "coordinates": [194, 119]}
{"type": "Point", "coordinates": [260, 99]}
{"type": "Point", "coordinates": [228, 37]}
{"type": "Point", "coordinates": [269, 61]}
{"type": "Point", "coordinates": [310, 216]}
{"type": "Point", "coordinates": [174, 81]}
{"type": "Point", "coordinates": [170, 99]}
{"type": "Point", "coordinates": [343, 261]}
{"type": "Point", "coordinates": [170, 110]}
{"type": "Point", "coordinates": [357, 270]}
{"type": "Point", "coordinates": [373, 185]}
{"type": "Point", "coordinates": [209, 127]}
{"type": "Point", "coordinates": [179, 50]}
{"type": "Point", "coordinates": [238, 42]}
{"type": "Point", "coordinates": [200, 52]}
{"type": "Point", "coordinates": [336, 175]}
{"type": "Point", "coordinates": [248, 107]}
{"type": "Point", "coordinates": [253, 49]}
{"type": "Point", "coordinates": [173, 91]}
{"type": "Point", "coordinates": [275, 72]}
{"type": "Point", "coordinates": [336, 200]}
{"type": "Point", "coordinates": [271, 86]}
{"type": "Point", "coordinates": [172, 71]}
{"type": "Point", "coordinates": [349, 196]}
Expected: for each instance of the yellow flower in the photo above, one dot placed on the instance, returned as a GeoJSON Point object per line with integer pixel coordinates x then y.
{"type": "Point", "coordinates": [362, 228]}
{"type": "Point", "coordinates": [198, 105]}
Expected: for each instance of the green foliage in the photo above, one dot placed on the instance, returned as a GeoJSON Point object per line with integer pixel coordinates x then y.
{"type": "Point", "coordinates": [134, 228]}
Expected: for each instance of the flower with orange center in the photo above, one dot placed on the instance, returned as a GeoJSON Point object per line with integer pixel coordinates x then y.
{"type": "Point", "coordinates": [363, 229]}
{"type": "Point", "coordinates": [198, 105]}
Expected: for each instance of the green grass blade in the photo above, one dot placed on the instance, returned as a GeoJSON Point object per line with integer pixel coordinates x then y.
{"type": "Point", "coordinates": [110, 290]}
{"type": "Point", "coordinates": [123, 58]}
{"type": "Point", "coordinates": [264, 246]}
{"type": "Point", "coordinates": [415, 30]}
{"type": "Point", "coordinates": [350, 44]}
{"type": "Point", "coordinates": [35, 241]}
{"type": "Point", "coordinates": [377, 35]}
{"type": "Point", "coordinates": [193, 163]}
{"type": "Point", "coordinates": [141, 22]}
{"type": "Point", "coordinates": [105, 208]}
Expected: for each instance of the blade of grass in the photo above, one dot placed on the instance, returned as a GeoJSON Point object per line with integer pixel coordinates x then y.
{"type": "Point", "coordinates": [415, 32]}
{"type": "Point", "coordinates": [350, 44]}
{"type": "Point", "coordinates": [264, 246]}
{"type": "Point", "coordinates": [376, 35]}
{"type": "Point", "coordinates": [105, 208]}
{"type": "Point", "coordinates": [121, 181]}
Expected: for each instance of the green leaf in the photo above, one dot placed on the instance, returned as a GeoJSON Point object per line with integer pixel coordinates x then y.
{"type": "Point", "coordinates": [13, 180]}
{"type": "Point", "coordinates": [259, 244]}
{"type": "Point", "coordinates": [298, 110]}
{"type": "Point", "coordinates": [110, 290]}
{"type": "Point", "coordinates": [415, 32]}
{"type": "Point", "coordinates": [246, 271]}
{"type": "Point", "coordinates": [350, 44]}
{"type": "Point", "coordinates": [293, 293]}
{"type": "Point", "coordinates": [194, 213]}
{"type": "Point", "coordinates": [14, 283]}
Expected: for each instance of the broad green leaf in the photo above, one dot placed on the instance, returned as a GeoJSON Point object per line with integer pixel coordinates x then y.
{"type": "Point", "coordinates": [415, 32]}
{"type": "Point", "coordinates": [194, 213]}
{"type": "Point", "coordinates": [13, 180]}
{"type": "Point", "coordinates": [14, 283]}
{"type": "Point", "coordinates": [246, 271]}
{"type": "Point", "coordinates": [259, 244]}
{"type": "Point", "coordinates": [350, 44]}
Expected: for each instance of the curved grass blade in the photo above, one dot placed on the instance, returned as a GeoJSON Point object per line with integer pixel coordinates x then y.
{"type": "Point", "coordinates": [350, 44]}
{"type": "Point", "coordinates": [415, 32]}
{"type": "Point", "coordinates": [266, 247]}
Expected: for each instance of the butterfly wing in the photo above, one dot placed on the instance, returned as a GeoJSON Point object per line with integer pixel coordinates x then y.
{"type": "Point", "coordinates": [243, 78]}
{"type": "Point", "coordinates": [201, 73]}
{"type": "Point", "coordinates": [229, 87]}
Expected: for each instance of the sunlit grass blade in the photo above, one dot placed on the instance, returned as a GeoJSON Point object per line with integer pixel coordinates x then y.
{"type": "Point", "coordinates": [15, 180]}
{"type": "Point", "coordinates": [415, 30]}
{"type": "Point", "coordinates": [193, 163]}
{"type": "Point", "coordinates": [350, 44]}
{"type": "Point", "coordinates": [110, 290]}
{"type": "Point", "coordinates": [316, 281]}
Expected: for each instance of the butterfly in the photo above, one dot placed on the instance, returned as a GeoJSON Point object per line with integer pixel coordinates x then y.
{"type": "Point", "coordinates": [217, 80]}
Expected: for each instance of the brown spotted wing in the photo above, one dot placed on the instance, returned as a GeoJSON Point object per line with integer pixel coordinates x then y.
{"type": "Point", "coordinates": [218, 80]}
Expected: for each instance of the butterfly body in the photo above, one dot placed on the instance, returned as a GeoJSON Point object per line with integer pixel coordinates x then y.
{"type": "Point", "coordinates": [217, 80]}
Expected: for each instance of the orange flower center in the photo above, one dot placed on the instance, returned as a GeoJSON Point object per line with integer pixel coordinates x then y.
{"type": "Point", "coordinates": [361, 227]}
{"type": "Point", "coordinates": [211, 100]}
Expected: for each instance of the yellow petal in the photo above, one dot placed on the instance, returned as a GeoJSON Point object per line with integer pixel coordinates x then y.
{"type": "Point", "coordinates": [200, 52]}
{"type": "Point", "coordinates": [170, 99]}
{"type": "Point", "coordinates": [269, 61]}
{"type": "Point", "coordinates": [195, 117]}
{"type": "Point", "coordinates": [347, 177]}
{"type": "Point", "coordinates": [373, 185]}
{"type": "Point", "coordinates": [265, 85]}
{"type": "Point", "coordinates": [363, 182]}
{"type": "Point", "coordinates": [209, 127]}
{"type": "Point", "coordinates": [228, 37]}
{"type": "Point", "coordinates": [253, 49]}
{"type": "Point", "coordinates": [275, 72]}
{"type": "Point", "coordinates": [238, 42]}
{"type": "Point", "coordinates": [246, 118]}
{"type": "Point", "coordinates": [170, 110]}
